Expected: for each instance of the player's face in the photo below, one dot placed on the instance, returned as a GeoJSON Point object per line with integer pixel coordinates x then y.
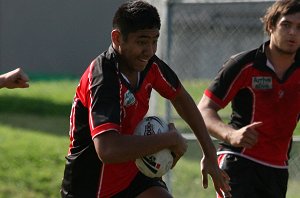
{"type": "Point", "coordinates": [285, 37]}
{"type": "Point", "coordinates": [137, 49]}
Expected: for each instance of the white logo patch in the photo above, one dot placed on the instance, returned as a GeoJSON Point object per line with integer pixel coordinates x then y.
{"type": "Point", "coordinates": [262, 82]}
{"type": "Point", "coordinates": [129, 98]}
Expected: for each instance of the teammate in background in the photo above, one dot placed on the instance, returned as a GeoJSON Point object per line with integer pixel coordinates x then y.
{"type": "Point", "coordinates": [112, 98]}
{"type": "Point", "coordinates": [14, 79]}
{"type": "Point", "coordinates": [263, 86]}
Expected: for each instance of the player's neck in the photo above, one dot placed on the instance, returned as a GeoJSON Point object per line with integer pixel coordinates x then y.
{"type": "Point", "coordinates": [280, 61]}
{"type": "Point", "coordinates": [132, 78]}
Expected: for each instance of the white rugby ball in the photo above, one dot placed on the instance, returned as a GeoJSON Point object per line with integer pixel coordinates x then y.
{"type": "Point", "coordinates": [157, 164]}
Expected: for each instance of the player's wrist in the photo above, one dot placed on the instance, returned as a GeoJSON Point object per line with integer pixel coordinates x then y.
{"type": "Point", "coordinates": [228, 136]}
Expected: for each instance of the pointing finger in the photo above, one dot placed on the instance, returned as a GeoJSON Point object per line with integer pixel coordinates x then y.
{"type": "Point", "coordinates": [255, 125]}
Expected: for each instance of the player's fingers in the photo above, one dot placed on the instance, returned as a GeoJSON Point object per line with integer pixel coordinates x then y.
{"type": "Point", "coordinates": [25, 77]}
{"type": "Point", "coordinates": [225, 175]}
{"type": "Point", "coordinates": [225, 185]}
{"type": "Point", "coordinates": [221, 187]}
{"type": "Point", "coordinates": [221, 184]}
{"type": "Point", "coordinates": [171, 126]}
{"type": "Point", "coordinates": [247, 144]}
{"type": "Point", "coordinates": [204, 179]}
{"type": "Point", "coordinates": [175, 160]}
{"type": "Point", "coordinates": [250, 141]}
{"type": "Point", "coordinates": [255, 125]}
{"type": "Point", "coordinates": [252, 136]}
{"type": "Point", "coordinates": [226, 195]}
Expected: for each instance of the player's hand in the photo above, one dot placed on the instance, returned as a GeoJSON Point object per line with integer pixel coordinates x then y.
{"type": "Point", "coordinates": [180, 146]}
{"type": "Point", "coordinates": [244, 137]}
{"type": "Point", "coordinates": [219, 177]}
{"type": "Point", "coordinates": [15, 79]}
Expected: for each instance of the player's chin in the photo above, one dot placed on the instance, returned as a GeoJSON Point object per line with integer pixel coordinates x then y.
{"type": "Point", "coordinates": [141, 64]}
{"type": "Point", "coordinates": [140, 68]}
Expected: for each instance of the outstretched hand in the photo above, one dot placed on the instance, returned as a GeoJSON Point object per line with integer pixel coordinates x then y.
{"type": "Point", "coordinates": [219, 177]}
{"type": "Point", "coordinates": [14, 79]}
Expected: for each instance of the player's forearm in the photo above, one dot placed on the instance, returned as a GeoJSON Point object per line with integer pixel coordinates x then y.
{"type": "Point", "coordinates": [187, 109]}
{"type": "Point", "coordinates": [215, 125]}
{"type": "Point", "coordinates": [116, 148]}
{"type": "Point", "coordinates": [198, 126]}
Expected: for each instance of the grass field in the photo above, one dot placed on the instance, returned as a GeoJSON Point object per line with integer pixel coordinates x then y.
{"type": "Point", "coordinates": [34, 140]}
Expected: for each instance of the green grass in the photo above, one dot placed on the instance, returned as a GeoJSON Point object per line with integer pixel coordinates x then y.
{"type": "Point", "coordinates": [34, 140]}
{"type": "Point", "coordinates": [31, 163]}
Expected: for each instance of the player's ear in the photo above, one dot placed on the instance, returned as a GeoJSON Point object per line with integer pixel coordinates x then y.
{"type": "Point", "coordinates": [116, 37]}
{"type": "Point", "coordinates": [270, 28]}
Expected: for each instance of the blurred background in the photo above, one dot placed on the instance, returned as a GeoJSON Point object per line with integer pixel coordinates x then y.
{"type": "Point", "coordinates": [57, 37]}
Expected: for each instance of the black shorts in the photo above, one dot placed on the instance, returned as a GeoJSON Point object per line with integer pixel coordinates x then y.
{"type": "Point", "coordinates": [139, 185]}
{"type": "Point", "coordinates": [249, 179]}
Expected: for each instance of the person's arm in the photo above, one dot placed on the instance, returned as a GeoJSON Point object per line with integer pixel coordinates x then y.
{"type": "Point", "coordinates": [243, 137]}
{"type": "Point", "coordinates": [14, 79]}
{"type": "Point", "coordinates": [187, 109]}
{"type": "Point", "coordinates": [113, 147]}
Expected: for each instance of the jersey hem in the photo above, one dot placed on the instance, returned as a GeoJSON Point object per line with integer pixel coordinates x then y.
{"type": "Point", "coordinates": [252, 159]}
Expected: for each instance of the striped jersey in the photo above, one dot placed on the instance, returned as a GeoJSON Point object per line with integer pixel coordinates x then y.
{"type": "Point", "coordinates": [105, 101]}
{"type": "Point", "coordinates": [257, 94]}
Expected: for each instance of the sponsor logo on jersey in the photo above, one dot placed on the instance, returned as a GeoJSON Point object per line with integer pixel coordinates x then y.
{"type": "Point", "coordinates": [129, 98]}
{"type": "Point", "coordinates": [262, 82]}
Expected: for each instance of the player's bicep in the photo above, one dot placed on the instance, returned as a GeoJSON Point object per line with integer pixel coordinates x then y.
{"type": "Point", "coordinates": [104, 144]}
{"type": "Point", "coordinates": [207, 103]}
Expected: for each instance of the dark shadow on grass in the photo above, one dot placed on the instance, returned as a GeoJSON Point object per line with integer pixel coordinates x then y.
{"type": "Point", "coordinates": [35, 114]}
{"type": "Point", "coordinates": [9, 104]}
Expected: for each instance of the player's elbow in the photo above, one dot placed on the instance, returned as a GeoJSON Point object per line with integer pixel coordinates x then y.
{"type": "Point", "coordinates": [105, 155]}
{"type": "Point", "coordinates": [106, 148]}
{"type": "Point", "coordinates": [104, 152]}
{"type": "Point", "coordinates": [109, 154]}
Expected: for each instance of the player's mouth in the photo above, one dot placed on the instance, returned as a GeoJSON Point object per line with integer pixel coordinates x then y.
{"type": "Point", "coordinates": [292, 42]}
{"type": "Point", "coordinates": [141, 63]}
{"type": "Point", "coordinates": [143, 60]}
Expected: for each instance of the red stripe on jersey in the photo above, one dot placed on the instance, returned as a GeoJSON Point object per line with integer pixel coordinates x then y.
{"type": "Point", "coordinates": [216, 100]}
{"type": "Point", "coordinates": [104, 128]}
{"type": "Point", "coordinates": [236, 84]}
{"type": "Point", "coordinates": [163, 85]}
{"type": "Point", "coordinates": [90, 97]}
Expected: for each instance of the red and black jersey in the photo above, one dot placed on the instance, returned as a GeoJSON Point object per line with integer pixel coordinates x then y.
{"type": "Point", "coordinates": [105, 101]}
{"type": "Point", "coordinates": [257, 94]}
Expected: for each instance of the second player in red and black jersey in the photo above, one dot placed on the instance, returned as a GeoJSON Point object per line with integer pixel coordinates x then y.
{"type": "Point", "coordinates": [263, 86]}
{"type": "Point", "coordinates": [256, 94]}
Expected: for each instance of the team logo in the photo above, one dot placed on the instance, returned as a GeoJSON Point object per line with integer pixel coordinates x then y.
{"type": "Point", "coordinates": [129, 98]}
{"type": "Point", "coordinates": [262, 82]}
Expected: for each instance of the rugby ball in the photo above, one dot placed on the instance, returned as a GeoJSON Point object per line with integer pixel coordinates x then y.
{"type": "Point", "coordinates": [157, 164]}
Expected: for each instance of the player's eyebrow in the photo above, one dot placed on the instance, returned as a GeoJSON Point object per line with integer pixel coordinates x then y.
{"type": "Point", "coordinates": [147, 36]}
